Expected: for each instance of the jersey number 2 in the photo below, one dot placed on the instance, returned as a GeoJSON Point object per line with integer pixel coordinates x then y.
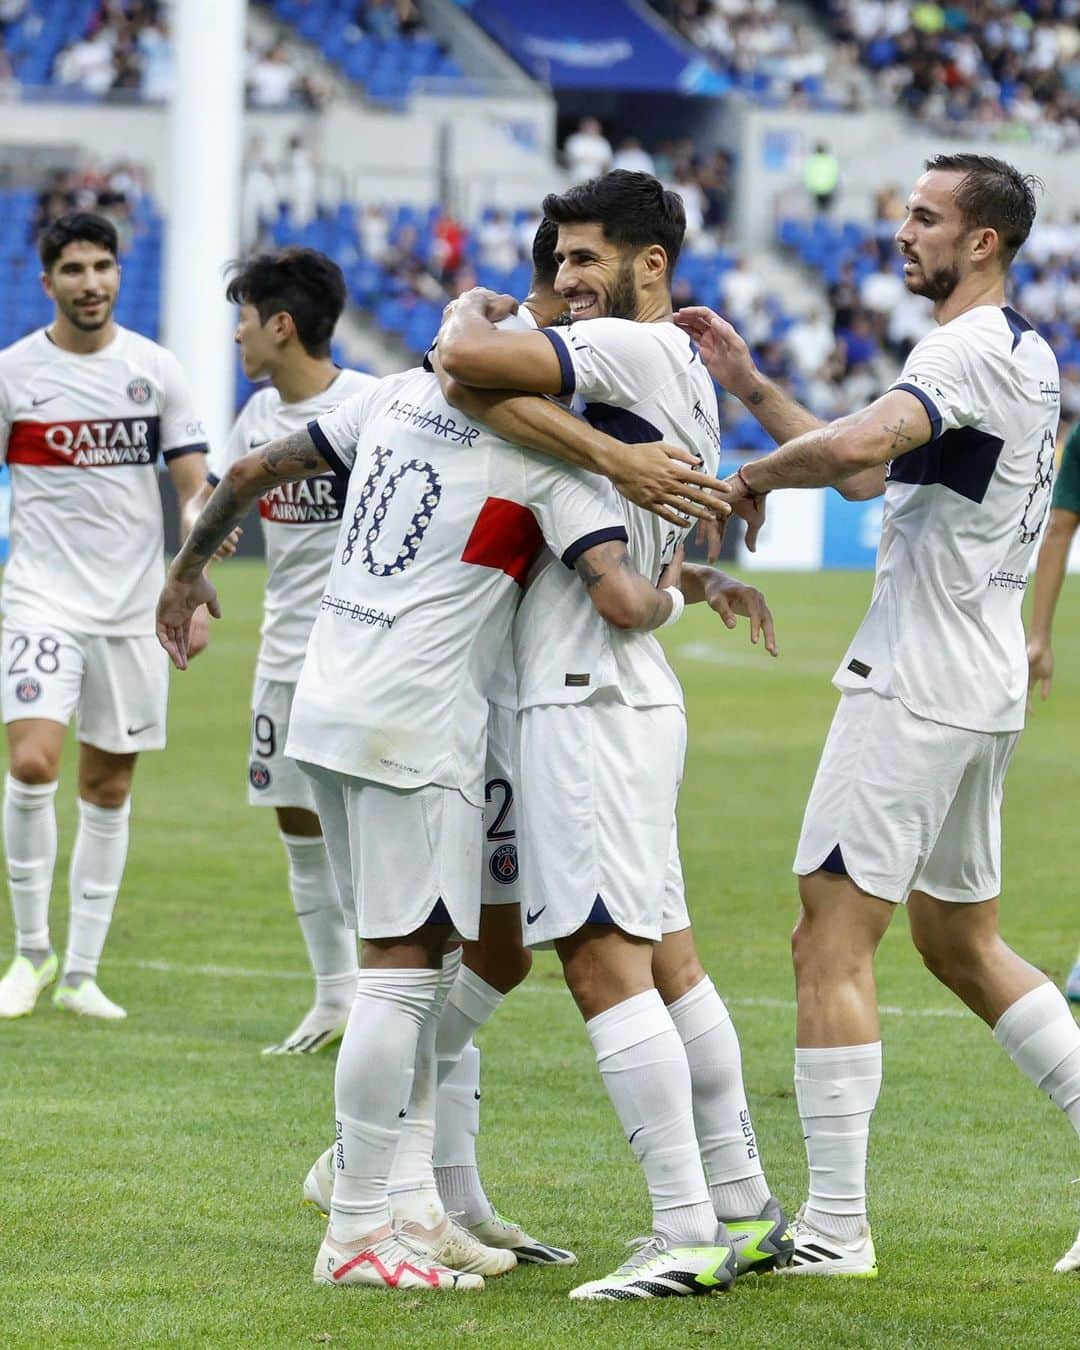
{"type": "Point", "coordinates": [425, 478]}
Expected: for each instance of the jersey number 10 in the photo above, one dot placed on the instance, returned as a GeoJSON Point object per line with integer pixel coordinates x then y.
{"type": "Point", "coordinates": [417, 473]}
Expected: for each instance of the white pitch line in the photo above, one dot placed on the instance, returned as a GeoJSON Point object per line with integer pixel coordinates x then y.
{"type": "Point", "coordinates": [534, 987]}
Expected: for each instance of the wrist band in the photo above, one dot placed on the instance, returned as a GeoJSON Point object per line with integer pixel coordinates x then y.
{"type": "Point", "coordinates": [678, 604]}
{"type": "Point", "coordinates": [742, 479]}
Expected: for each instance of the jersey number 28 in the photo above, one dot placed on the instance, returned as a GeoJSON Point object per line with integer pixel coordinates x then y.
{"type": "Point", "coordinates": [417, 476]}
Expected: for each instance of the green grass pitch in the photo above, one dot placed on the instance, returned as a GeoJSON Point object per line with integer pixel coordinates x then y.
{"type": "Point", "coordinates": [150, 1172]}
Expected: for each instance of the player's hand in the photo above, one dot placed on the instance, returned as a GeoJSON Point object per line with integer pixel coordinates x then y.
{"type": "Point", "coordinates": [1040, 657]}
{"type": "Point", "coordinates": [491, 304]}
{"type": "Point", "coordinates": [666, 480]}
{"type": "Point", "coordinates": [176, 607]}
{"type": "Point", "coordinates": [710, 536]}
{"type": "Point", "coordinates": [748, 506]}
{"type": "Point", "coordinates": [727, 357]}
{"type": "Point", "coordinates": [198, 633]}
{"type": "Point", "coordinates": [228, 546]}
{"type": "Point", "coordinates": [730, 598]}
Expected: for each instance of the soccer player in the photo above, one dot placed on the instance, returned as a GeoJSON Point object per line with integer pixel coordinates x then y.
{"type": "Point", "coordinates": [602, 743]}
{"type": "Point", "coordinates": [87, 409]}
{"type": "Point", "coordinates": [389, 717]}
{"type": "Point", "coordinates": [289, 306]}
{"type": "Point", "coordinates": [1049, 576]}
{"type": "Point", "coordinates": [906, 804]}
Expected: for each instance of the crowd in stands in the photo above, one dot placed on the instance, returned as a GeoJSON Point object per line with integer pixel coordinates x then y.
{"type": "Point", "coordinates": [766, 52]}
{"type": "Point", "coordinates": [999, 68]}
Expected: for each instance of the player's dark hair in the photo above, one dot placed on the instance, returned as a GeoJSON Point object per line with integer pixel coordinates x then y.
{"type": "Point", "coordinates": [77, 227]}
{"type": "Point", "coordinates": [632, 209]}
{"type": "Point", "coordinates": [993, 194]}
{"type": "Point", "coordinates": [300, 282]}
{"type": "Point", "coordinates": [545, 267]}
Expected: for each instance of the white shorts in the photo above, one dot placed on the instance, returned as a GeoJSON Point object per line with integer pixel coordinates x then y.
{"type": "Point", "coordinates": [273, 778]}
{"type": "Point", "coordinates": [119, 686]}
{"type": "Point", "coordinates": [599, 783]}
{"type": "Point", "coordinates": [500, 882]}
{"type": "Point", "coordinates": [901, 803]}
{"type": "Point", "coordinates": [400, 859]}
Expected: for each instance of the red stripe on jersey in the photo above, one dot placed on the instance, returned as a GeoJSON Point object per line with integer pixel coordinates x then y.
{"type": "Point", "coordinates": [105, 443]}
{"type": "Point", "coordinates": [505, 536]}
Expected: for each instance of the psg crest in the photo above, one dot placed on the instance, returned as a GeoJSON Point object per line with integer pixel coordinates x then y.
{"type": "Point", "coordinates": [259, 776]}
{"type": "Point", "coordinates": [139, 391]}
{"type": "Point", "coordinates": [27, 690]}
{"type": "Point", "coordinates": [503, 864]}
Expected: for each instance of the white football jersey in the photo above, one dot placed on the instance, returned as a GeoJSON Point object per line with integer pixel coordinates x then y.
{"type": "Point", "coordinates": [299, 521]}
{"type": "Point", "coordinates": [82, 436]}
{"type": "Point", "coordinates": [442, 523]}
{"type": "Point", "coordinates": [962, 517]}
{"type": "Point", "coordinates": [638, 382]}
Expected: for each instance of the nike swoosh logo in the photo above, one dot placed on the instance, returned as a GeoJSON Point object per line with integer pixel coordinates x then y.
{"type": "Point", "coordinates": [134, 731]}
{"type": "Point", "coordinates": [635, 1134]}
{"type": "Point", "coordinates": [402, 1112]}
{"type": "Point", "coordinates": [476, 1096]}
{"type": "Point", "coordinates": [37, 402]}
{"type": "Point", "coordinates": [254, 445]}
{"type": "Point", "coordinates": [19, 881]}
{"type": "Point", "coordinates": [530, 917]}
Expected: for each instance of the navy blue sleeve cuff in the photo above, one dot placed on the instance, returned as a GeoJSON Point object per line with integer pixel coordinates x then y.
{"type": "Point", "coordinates": [200, 448]}
{"type": "Point", "coordinates": [566, 366]}
{"type": "Point", "coordinates": [587, 541]}
{"type": "Point", "coordinates": [327, 450]}
{"type": "Point", "coordinates": [213, 479]}
{"type": "Point", "coordinates": [928, 403]}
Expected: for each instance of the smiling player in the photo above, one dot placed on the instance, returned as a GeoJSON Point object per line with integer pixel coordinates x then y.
{"type": "Point", "coordinates": [87, 409]}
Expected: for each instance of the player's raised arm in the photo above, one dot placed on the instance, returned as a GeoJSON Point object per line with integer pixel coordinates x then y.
{"type": "Point", "coordinates": [860, 444]}
{"type": "Point", "coordinates": [664, 479]}
{"type": "Point", "coordinates": [186, 586]}
{"type": "Point", "coordinates": [475, 352]}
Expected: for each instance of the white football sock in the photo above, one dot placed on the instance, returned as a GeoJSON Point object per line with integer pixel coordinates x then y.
{"type": "Point", "coordinates": [725, 1132]}
{"type": "Point", "coordinates": [837, 1089]}
{"type": "Point", "coordinates": [30, 849]}
{"type": "Point", "coordinates": [643, 1064]}
{"type": "Point", "coordinates": [97, 867]}
{"type": "Point", "coordinates": [372, 1083]}
{"type": "Point", "coordinates": [471, 1002]}
{"type": "Point", "coordinates": [331, 946]}
{"type": "Point", "coordinates": [1040, 1036]}
{"type": "Point", "coordinates": [457, 1124]}
{"type": "Point", "coordinates": [414, 1197]}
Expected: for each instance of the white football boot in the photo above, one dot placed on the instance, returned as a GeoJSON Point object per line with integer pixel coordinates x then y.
{"type": "Point", "coordinates": [1071, 1260]}
{"type": "Point", "coordinates": [816, 1253]}
{"type": "Point", "coordinates": [319, 1182]}
{"type": "Point", "coordinates": [394, 1261]}
{"type": "Point", "coordinates": [655, 1270]}
{"type": "Point", "coordinates": [500, 1232]}
{"type": "Point", "coordinates": [455, 1247]}
{"type": "Point", "coordinates": [318, 1028]}
{"type": "Point", "coordinates": [88, 1001]}
{"type": "Point", "coordinates": [23, 982]}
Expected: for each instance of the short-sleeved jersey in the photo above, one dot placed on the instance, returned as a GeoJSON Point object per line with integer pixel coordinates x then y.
{"type": "Point", "coordinates": [300, 521]}
{"type": "Point", "coordinates": [638, 382]}
{"type": "Point", "coordinates": [83, 436]}
{"type": "Point", "coordinates": [442, 522]}
{"type": "Point", "coordinates": [961, 520]}
{"type": "Point", "coordinates": [1067, 486]}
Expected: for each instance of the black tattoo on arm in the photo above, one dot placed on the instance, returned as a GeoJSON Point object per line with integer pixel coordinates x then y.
{"type": "Point", "coordinates": [901, 441]}
{"type": "Point", "coordinates": [281, 461]}
{"type": "Point", "coordinates": [756, 398]}
{"type": "Point", "coordinates": [591, 575]}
